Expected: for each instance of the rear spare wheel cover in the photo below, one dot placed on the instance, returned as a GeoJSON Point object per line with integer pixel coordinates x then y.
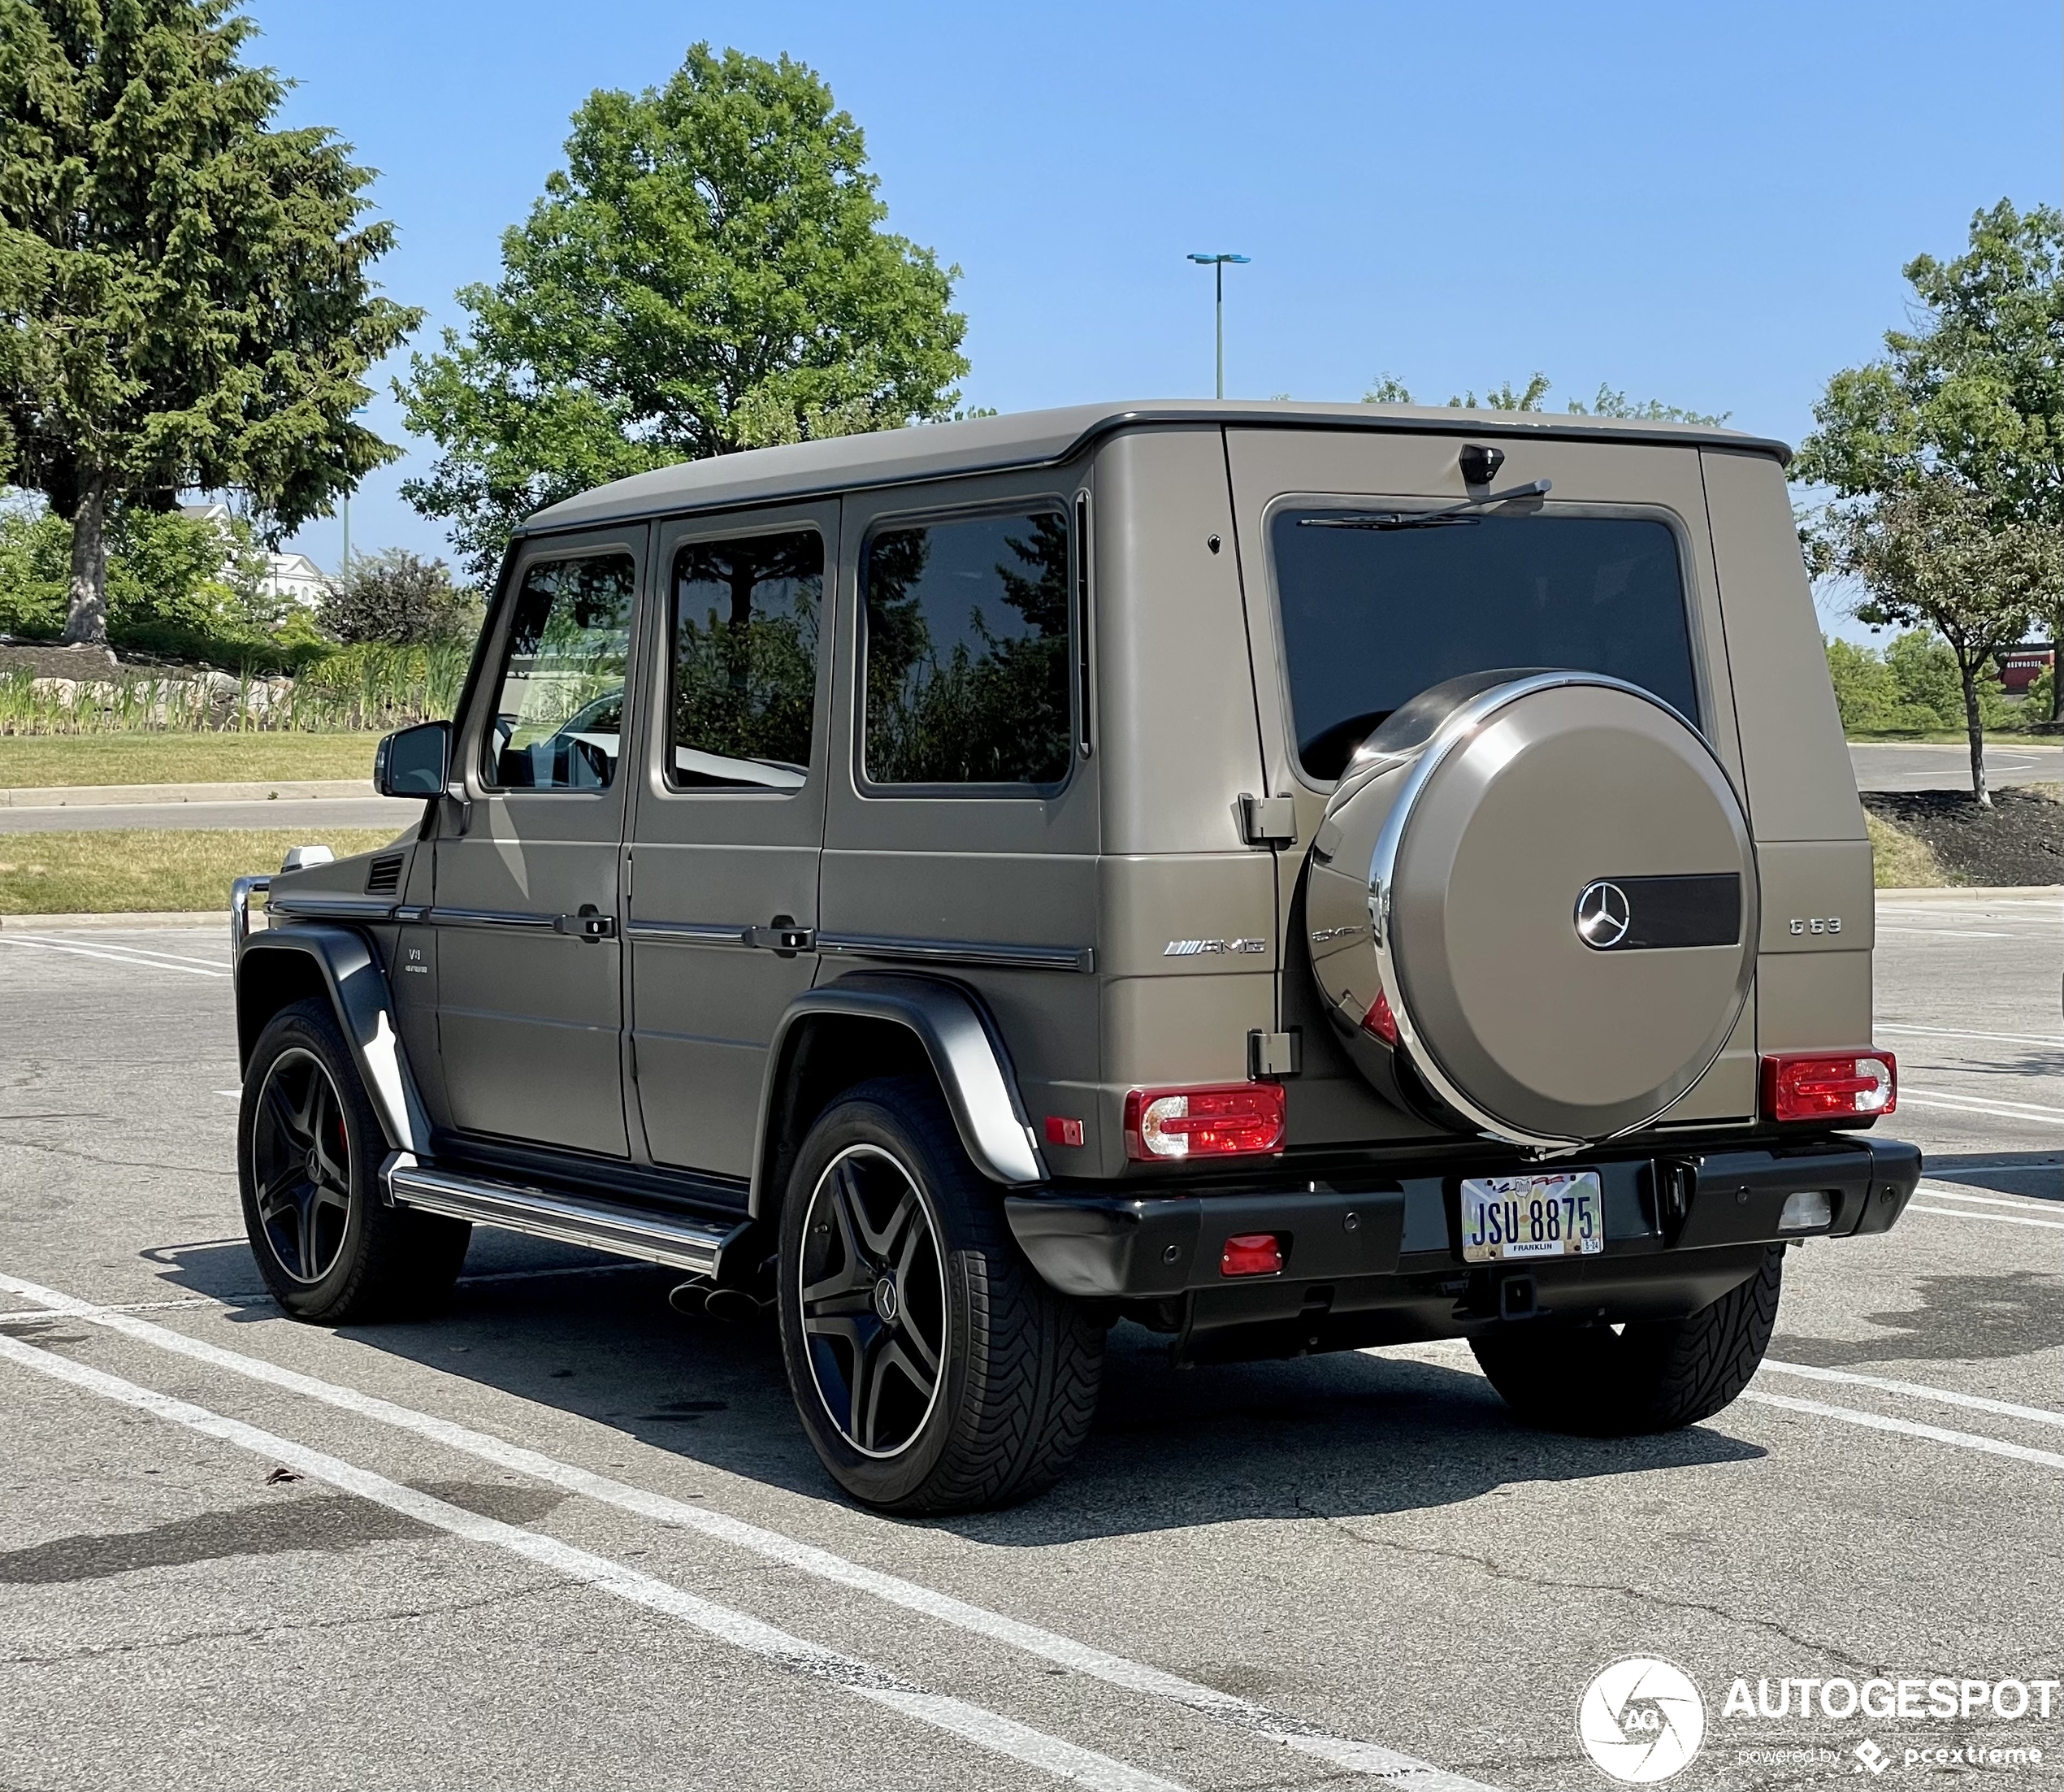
{"type": "Point", "coordinates": [1562, 906]}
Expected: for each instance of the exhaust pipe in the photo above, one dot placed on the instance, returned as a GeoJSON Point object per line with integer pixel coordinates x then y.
{"type": "Point", "coordinates": [701, 1297]}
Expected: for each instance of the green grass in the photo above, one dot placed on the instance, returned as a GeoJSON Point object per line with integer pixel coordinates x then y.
{"type": "Point", "coordinates": [130, 870]}
{"type": "Point", "coordinates": [1900, 860]}
{"type": "Point", "coordinates": [180, 758]}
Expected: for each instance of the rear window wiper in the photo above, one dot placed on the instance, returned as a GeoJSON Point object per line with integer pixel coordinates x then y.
{"type": "Point", "coordinates": [1426, 519]}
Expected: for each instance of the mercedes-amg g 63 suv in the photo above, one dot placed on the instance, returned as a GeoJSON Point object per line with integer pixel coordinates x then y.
{"type": "Point", "coordinates": [1293, 877]}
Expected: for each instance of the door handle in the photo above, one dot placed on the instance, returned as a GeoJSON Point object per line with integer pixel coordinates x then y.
{"type": "Point", "coordinates": [591, 924]}
{"type": "Point", "coordinates": [783, 936]}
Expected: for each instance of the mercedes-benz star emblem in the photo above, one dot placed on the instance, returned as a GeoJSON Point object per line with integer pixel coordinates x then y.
{"type": "Point", "coordinates": [1602, 915]}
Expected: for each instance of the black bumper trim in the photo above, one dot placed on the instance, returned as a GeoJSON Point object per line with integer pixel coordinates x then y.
{"type": "Point", "coordinates": [1134, 1246]}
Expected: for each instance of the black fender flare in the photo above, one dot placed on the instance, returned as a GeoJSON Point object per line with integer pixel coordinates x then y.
{"type": "Point", "coordinates": [966, 1052]}
{"type": "Point", "coordinates": [364, 1005]}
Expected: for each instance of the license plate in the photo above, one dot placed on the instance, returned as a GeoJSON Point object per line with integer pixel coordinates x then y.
{"type": "Point", "coordinates": [1551, 1216]}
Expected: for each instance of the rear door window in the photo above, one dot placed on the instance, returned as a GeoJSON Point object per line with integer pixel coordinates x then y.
{"type": "Point", "coordinates": [747, 613]}
{"type": "Point", "coordinates": [1375, 611]}
{"type": "Point", "coordinates": [968, 653]}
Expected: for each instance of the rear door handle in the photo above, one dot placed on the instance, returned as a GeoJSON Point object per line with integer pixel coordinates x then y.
{"type": "Point", "coordinates": [783, 936]}
{"type": "Point", "coordinates": [590, 924]}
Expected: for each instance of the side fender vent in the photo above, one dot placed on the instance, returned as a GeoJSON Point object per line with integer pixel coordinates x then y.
{"type": "Point", "coordinates": [384, 876]}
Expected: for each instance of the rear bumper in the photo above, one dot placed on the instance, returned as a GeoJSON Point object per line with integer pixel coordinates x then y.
{"type": "Point", "coordinates": [1679, 1231]}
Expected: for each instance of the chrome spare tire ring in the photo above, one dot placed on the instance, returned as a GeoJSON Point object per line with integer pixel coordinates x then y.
{"type": "Point", "coordinates": [301, 1166]}
{"type": "Point", "coordinates": [871, 1291]}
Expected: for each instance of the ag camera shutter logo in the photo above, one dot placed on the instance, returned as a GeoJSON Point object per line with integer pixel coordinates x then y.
{"type": "Point", "coordinates": [1641, 1719]}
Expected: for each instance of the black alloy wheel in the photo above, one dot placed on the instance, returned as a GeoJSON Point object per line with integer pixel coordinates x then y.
{"type": "Point", "coordinates": [301, 1162]}
{"type": "Point", "coordinates": [932, 1369]}
{"type": "Point", "coordinates": [309, 1146]}
{"type": "Point", "coordinates": [873, 1297]}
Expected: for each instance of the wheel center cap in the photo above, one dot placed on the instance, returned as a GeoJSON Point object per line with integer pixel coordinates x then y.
{"type": "Point", "coordinates": [315, 1164]}
{"type": "Point", "coordinates": [886, 1303]}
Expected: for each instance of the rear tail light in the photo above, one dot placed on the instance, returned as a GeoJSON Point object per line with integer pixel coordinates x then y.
{"type": "Point", "coordinates": [1251, 1254]}
{"type": "Point", "coordinates": [1229, 1120]}
{"type": "Point", "coordinates": [1829, 1085]}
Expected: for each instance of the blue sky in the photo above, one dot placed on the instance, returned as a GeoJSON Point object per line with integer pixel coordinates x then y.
{"type": "Point", "coordinates": [1707, 204]}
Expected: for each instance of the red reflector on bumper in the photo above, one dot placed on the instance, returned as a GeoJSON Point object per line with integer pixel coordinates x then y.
{"type": "Point", "coordinates": [1251, 1254]}
{"type": "Point", "coordinates": [1829, 1085]}
{"type": "Point", "coordinates": [1380, 1020]}
{"type": "Point", "coordinates": [1229, 1120]}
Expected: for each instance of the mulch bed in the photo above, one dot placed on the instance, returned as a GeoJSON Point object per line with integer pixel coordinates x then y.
{"type": "Point", "coordinates": [57, 662]}
{"type": "Point", "coordinates": [2020, 841]}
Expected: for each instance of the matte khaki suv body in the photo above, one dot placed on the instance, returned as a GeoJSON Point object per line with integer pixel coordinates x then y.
{"type": "Point", "coordinates": [1291, 877]}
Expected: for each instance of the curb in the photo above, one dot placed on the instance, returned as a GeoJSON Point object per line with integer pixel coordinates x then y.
{"type": "Point", "coordinates": [1983, 892]}
{"type": "Point", "coordinates": [141, 918]}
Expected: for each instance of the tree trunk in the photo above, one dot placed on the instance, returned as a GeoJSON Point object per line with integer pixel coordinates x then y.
{"type": "Point", "coordinates": [2056, 666]}
{"type": "Point", "coordinates": [86, 621]}
{"type": "Point", "coordinates": [1976, 729]}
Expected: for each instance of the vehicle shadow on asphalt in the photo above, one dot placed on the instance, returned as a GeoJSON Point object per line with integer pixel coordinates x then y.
{"type": "Point", "coordinates": [1339, 1436]}
{"type": "Point", "coordinates": [1955, 1318]}
{"type": "Point", "coordinates": [2037, 1175]}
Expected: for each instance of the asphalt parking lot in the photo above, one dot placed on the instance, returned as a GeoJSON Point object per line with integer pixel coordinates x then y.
{"type": "Point", "coordinates": [563, 1536]}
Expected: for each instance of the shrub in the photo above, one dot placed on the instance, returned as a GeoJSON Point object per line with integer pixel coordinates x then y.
{"type": "Point", "coordinates": [400, 600]}
{"type": "Point", "coordinates": [1924, 679]}
{"type": "Point", "coordinates": [1864, 690]}
{"type": "Point", "coordinates": [35, 567]}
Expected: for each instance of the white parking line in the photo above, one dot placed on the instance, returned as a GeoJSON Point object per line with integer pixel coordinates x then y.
{"type": "Point", "coordinates": [1917, 1390]}
{"type": "Point", "coordinates": [1997, 1219]}
{"type": "Point", "coordinates": [116, 946]}
{"type": "Point", "coordinates": [1959, 1033]}
{"type": "Point", "coordinates": [1880, 1421]}
{"type": "Point", "coordinates": [1938, 1193]}
{"type": "Point", "coordinates": [1992, 1109]}
{"type": "Point", "coordinates": [986, 1728]}
{"type": "Point", "coordinates": [112, 958]}
{"type": "Point", "coordinates": [1348, 1753]}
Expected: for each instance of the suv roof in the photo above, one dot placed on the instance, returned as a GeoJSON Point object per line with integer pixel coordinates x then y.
{"type": "Point", "coordinates": [1041, 438]}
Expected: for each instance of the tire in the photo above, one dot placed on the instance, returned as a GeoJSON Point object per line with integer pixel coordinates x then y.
{"type": "Point", "coordinates": [309, 1151]}
{"type": "Point", "coordinates": [1651, 1377]}
{"type": "Point", "coordinates": [934, 1372]}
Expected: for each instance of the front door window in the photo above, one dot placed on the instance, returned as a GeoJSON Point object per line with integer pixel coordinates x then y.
{"type": "Point", "coordinates": [558, 713]}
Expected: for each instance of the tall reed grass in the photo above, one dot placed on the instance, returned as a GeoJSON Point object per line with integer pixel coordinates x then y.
{"type": "Point", "coordinates": [365, 686]}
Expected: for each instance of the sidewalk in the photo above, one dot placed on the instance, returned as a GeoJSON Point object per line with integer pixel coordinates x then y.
{"type": "Point", "coordinates": [108, 796]}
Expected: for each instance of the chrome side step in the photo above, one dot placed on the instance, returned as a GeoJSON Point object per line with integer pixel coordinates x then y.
{"type": "Point", "coordinates": [697, 1246]}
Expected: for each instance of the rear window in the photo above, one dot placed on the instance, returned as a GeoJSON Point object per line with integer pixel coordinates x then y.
{"type": "Point", "coordinates": [967, 651]}
{"type": "Point", "coordinates": [1374, 612]}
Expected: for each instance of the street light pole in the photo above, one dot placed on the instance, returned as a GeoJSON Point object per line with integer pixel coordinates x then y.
{"type": "Point", "coordinates": [1217, 264]}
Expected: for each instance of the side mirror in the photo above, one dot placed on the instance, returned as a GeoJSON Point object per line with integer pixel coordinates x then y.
{"type": "Point", "coordinates": [414, 762]}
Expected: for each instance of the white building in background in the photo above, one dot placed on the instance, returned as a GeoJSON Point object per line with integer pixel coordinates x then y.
{"type": "Point", "coordinates": [291, 576]}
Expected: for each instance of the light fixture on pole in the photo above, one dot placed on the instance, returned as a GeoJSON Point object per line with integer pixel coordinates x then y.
{"type": "Point", "coordinates": [1217, 264]}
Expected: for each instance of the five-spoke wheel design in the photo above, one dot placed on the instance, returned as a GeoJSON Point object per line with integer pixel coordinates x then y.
{"type": "Point", "coordinates": [873, 1296]}
{"type": "Point", "coordinates": [301, 1163]}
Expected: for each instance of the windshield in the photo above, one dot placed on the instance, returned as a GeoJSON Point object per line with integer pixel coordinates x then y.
{"type": "Point", "coordinates": [1373, 616]}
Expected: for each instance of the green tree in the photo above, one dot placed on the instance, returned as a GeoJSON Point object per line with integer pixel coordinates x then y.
{"type": "Point", "coordinates": [183, 296]}
{"type": "Point", "coordinates": [1974, 390]}
{"type": "Point", "coordinates": [708, 273]}
{"type": "Point", "coordinates": [1929, 554]}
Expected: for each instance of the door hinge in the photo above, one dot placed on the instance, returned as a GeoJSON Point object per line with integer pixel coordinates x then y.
{"type": "Point", "coordinates": [1270, 1055]}
{"type": "Point", "coordinates": [1268, 820]}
